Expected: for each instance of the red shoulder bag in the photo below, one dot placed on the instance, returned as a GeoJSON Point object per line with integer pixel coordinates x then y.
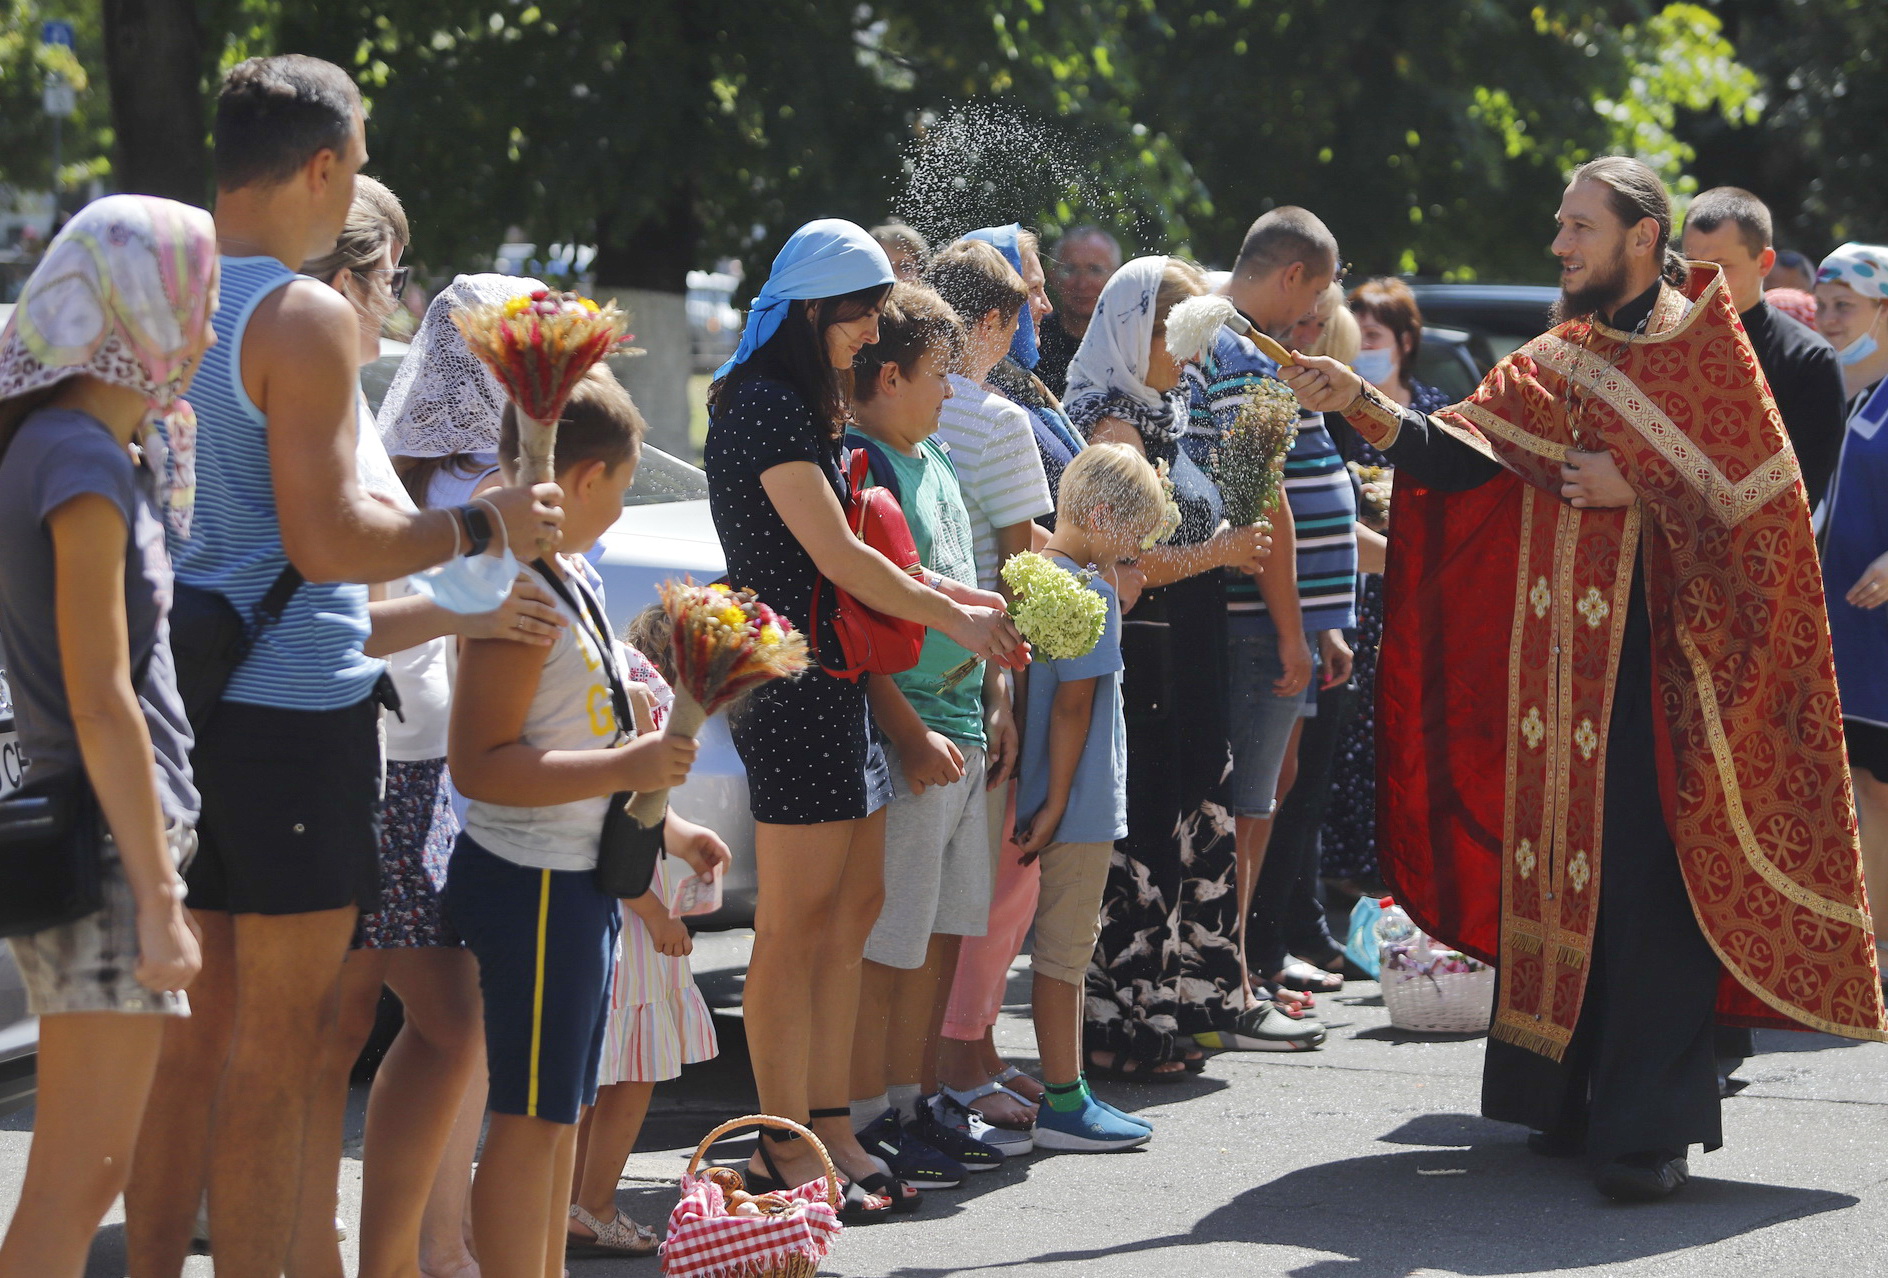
{"type": "Point", "coordinates": [869, 641]}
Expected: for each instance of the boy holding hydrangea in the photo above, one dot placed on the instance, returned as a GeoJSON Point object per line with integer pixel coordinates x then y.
{"type": "Point", "coordinates": [1071, 799]}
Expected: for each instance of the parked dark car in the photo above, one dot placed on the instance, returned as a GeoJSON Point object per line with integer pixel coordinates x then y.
{"type": "Point", "coordinates": [1495, 319]}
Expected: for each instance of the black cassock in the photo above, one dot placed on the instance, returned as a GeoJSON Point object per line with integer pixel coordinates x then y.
{"type": "Point", "coordinates": [1640, 1073]}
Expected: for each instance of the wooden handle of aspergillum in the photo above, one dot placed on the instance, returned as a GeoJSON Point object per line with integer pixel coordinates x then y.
{"type": "Point", "coordinates": [1277, 353]}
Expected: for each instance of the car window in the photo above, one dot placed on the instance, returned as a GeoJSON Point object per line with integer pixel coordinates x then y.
{"type": "Point", "coordinates": [662, 479]}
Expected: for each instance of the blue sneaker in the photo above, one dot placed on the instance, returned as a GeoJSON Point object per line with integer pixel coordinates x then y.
{"type": "Point", "coordinates": [1092, 1129]}
{"type": "Point", "coordinates": [1121, 1114]}
{"type": "Point", "coordinates": [910, 1159]}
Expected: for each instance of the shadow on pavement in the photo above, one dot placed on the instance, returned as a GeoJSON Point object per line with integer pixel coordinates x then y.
{"type": "Point", "coordinates": [1485, 1208]}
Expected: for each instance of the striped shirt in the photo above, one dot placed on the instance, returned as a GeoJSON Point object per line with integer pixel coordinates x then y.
{"type": "Point", "coordinates": [993, 448]}
{"type": "Point", "coordinates": [311, 659]}
{"type": "Point", "coordinates": [1317, 487]}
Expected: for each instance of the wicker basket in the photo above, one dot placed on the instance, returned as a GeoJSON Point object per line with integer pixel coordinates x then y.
{"type": "Point", "coordinates": [1446, 1003]}
{"type": "Point", "coordinates": [792, 1266]}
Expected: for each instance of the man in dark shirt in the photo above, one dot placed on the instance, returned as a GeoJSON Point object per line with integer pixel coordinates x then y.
{"type": "Point", "coordinates": [1086, 257]}
{"type": "Point", "coordinates": [1730, 226]}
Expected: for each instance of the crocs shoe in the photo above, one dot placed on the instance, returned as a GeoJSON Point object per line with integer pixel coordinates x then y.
{"type": "Point", "coordinates": [908, 1158]}
{"type": "Point", "coordinates": [971, 1153]}
{"type": "Point", "coordinates": [966, 1121]}
{"type": "Point", "coordinates": [1092, 1129]}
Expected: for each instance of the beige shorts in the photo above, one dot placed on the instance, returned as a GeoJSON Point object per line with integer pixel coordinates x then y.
{"type": "Point", "coordinates": [90, 964]}
{"type": "Point", "coordinates": [1068, 913]}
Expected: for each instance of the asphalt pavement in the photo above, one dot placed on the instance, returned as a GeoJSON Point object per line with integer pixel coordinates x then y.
{"type": "Point", "coordinates": [1365, 1159]}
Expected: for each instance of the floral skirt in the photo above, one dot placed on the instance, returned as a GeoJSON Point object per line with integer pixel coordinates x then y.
{"type": "Point", "coordinates": [1350, 822]}
{"type": "Point", "coordinates": [417, 829]}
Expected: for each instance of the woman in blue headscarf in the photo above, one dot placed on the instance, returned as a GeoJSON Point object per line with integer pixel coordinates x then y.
{"type": "Point", "coordinates": [817, 779]}
{"type": "Point", "coordinates": [1015, 378]}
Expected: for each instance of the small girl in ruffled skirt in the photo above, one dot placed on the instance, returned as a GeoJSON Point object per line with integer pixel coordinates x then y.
{"type": "Point", "coordinates": [658, 1023]}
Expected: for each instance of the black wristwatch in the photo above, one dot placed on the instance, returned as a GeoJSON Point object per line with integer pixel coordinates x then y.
{"type": "Point", "coordinates": [478, 528]}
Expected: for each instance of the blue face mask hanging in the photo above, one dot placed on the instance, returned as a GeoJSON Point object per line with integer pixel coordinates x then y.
{"type": "Point", "coordinates": [1007, 241]}
{"type": "Point", "coordinates": [468, 584]}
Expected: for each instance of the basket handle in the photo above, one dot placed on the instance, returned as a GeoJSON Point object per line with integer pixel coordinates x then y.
{"type": "Point", "coordinates": [782, 1124]}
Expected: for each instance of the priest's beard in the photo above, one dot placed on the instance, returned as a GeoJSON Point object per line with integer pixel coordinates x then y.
{"type": "Point", "coordinates": [1604, 290]}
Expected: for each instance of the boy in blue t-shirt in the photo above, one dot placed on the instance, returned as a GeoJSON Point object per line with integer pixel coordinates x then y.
{"type": "Point", "coordinates": [1071, 797]}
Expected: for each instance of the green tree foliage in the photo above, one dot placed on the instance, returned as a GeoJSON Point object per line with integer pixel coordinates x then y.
{"type": "Point", "coordinates": [25, 129]}
{"type": "Point", "coordinates": [1816, 153]}
{"type": "Point", "coordinates": [1433, 137]}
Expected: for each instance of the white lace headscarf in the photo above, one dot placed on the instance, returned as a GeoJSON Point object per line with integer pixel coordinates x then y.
{"type": "Point", "coordinates": [443, 400]}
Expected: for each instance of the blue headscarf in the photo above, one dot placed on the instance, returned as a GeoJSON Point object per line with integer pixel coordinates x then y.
{"type": "Point", "coordinates": [1005, 239]}
{"type": "Point", "coordinates": [829, 257]}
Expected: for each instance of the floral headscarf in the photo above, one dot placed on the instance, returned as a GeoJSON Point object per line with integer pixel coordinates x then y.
{"type": "Point", "coordinates": [123, 295]}
{"type": "Point", "coordinates": [1863, 267]}
{"type": "Point", "coordinates": [1108, 376]}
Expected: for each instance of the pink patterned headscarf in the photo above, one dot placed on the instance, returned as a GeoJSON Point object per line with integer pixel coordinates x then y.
{"type": "Point", "coordinates": [123, 295]}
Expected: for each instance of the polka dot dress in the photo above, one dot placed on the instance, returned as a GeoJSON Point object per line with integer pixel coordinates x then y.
{"type": "Point", "coordinates": [807, 743]}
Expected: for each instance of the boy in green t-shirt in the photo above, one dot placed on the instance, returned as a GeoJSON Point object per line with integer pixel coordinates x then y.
{"type": "Point", "coordinates": [945, 760]}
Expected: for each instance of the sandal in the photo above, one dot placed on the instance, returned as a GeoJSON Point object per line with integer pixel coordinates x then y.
{"type": "Point", "coordinates": [1132, 1069]}
{"type": "Point", "coordinates": [969, 1097]}
{"type": "Point", "coordinates": [902, 1195]}
{"type": "Point", "coordinates": [617, 1236]}
{"type": "Point", "coordinates": [1299, 975]}
{"type": "Point", "coordinates": [857, 1206]}
{"type": "Point", "coordinates": [1010, 1074]}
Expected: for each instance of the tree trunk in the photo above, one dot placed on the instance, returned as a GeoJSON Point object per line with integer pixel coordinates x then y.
{"type": "Point", "coordinates": [154, 65]}
{"type": "Point", "coordinates": [645, 267]}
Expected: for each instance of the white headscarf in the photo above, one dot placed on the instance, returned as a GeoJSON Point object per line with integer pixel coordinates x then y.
{"type": "Point", "coordinates": [443, 400]}
{"type": "Point", "coordinates": [1108, 376]}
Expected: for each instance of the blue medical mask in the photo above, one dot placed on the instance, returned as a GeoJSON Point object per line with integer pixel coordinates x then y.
{"type": "Point", "coordinates": [1862, 347]}
{"type": "Point", "coordinates": [1377, 366]}
{"type": "Point", "coordinates": [467, 584]}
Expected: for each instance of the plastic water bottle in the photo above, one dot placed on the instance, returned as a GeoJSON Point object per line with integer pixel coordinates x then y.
{"type": "Point", "coordinates": [1393, 925]}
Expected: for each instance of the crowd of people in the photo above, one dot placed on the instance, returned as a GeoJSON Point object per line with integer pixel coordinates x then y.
{"type": "Point", "coordinates": [396, 773]}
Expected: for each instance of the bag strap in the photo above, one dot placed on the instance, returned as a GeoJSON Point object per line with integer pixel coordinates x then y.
{"type": "Point", "coordinates": [878, 466]}
{"type": "Point", "coordinates": [590, 614]}
{"type": "Point", "coordinates": [275, 599]}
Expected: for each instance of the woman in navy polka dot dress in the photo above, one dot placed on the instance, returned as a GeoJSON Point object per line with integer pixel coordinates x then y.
{"type": "Point", "coordinates": [816, 776]}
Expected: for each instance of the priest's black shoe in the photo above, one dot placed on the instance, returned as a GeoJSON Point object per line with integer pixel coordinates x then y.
{"type": "Point", "coordinates": [1643, 1178]}
{"type": "Point", "coordinates": [1558, 1142]}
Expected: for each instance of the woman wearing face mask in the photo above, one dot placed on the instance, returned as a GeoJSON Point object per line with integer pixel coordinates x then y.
{"type": "Point", "coordinates": [1852, 312]}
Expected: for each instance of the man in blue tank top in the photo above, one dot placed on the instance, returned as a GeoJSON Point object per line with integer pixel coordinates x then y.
{"type": "Point", "coordinates": [289, 763]}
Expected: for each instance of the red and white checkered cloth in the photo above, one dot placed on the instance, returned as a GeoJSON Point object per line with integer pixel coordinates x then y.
{"type": "Point", "coordinates": [705, 1241]}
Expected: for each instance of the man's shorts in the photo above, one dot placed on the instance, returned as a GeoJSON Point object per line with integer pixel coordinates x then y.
{"type": "Point", "coordinates": [1260, 721]}
{"type": "Point", "coordinates": [937, 864]}
{"type": "Point", "coordinates": [290, 820]}
{"type": "Point", "coordinates": [546, 945]}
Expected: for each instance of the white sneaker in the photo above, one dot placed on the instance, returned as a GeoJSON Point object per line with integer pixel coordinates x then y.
{"type": "Point", "coordinates": [962, 1118]}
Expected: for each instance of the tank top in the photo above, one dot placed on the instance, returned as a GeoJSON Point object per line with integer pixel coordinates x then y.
{"type": "Point", "coordinates": [311, 659]}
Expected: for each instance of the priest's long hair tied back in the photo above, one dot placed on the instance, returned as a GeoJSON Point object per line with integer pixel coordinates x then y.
{"type": "Point", "coordinates": [1635, 191]}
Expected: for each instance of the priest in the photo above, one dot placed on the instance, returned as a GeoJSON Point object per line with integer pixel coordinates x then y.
{"type": "Point", "coordinates": [1611, 755]}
